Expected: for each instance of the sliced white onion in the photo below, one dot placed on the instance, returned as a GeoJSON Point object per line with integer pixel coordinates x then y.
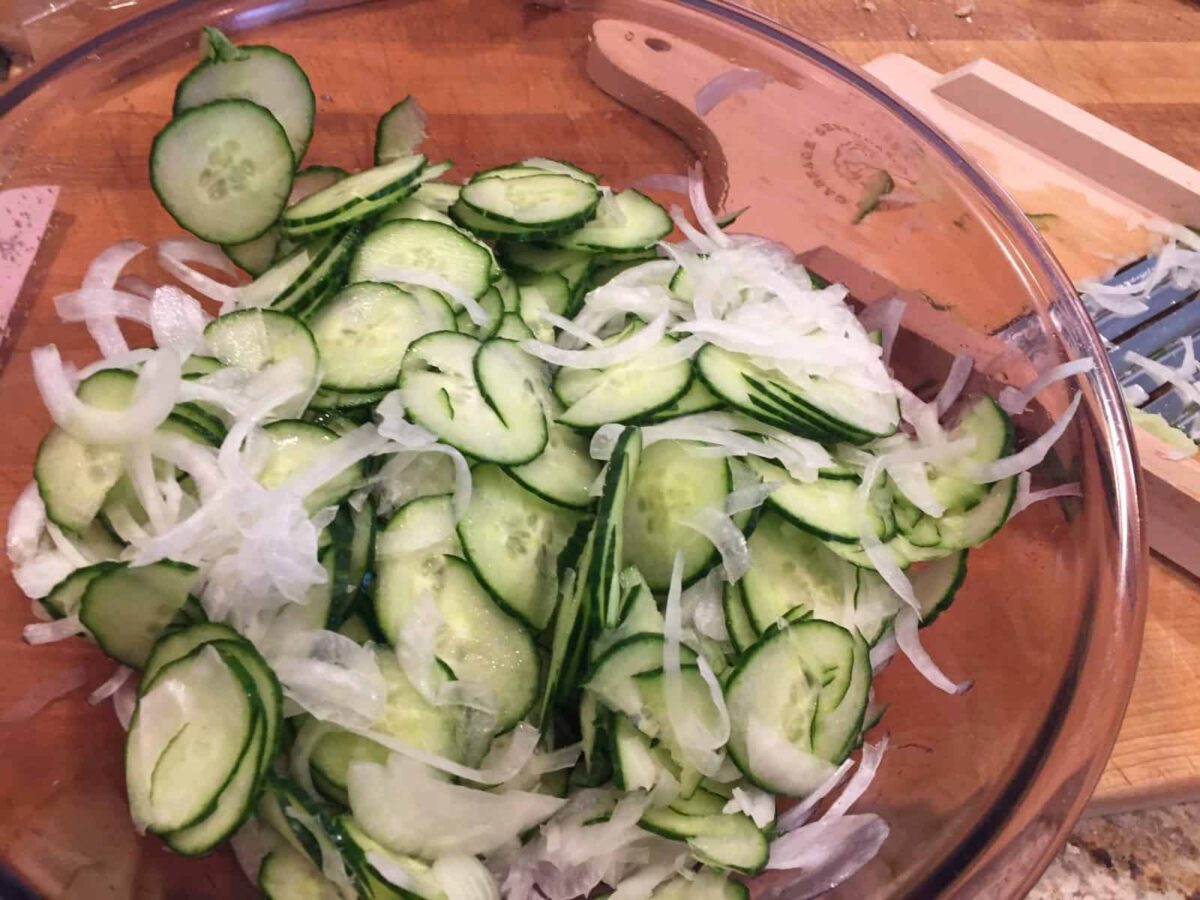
{"type": "Point", "coordinates": [52, 632]}
{"type": "Point", "coordinates": [956, 380]}
{"type": "Point", "coordinates": [1026, 498]}
{"type": "Point", "coordinates": [827, 853]}
{"type": "Point", "coordinates": [410, 810]}
{"type": "Point", "coordinates": [755, 803]}
{"type": "Point", "coordinates": [102, 276]}
{"type": "Point", "coordinates": [92, 304]}
{"type": "Point", "coordinates": [600, 357]}
{"type": "Point", "coordinates": [752, 496]}
{"type": "Point", "coordinates": [885, 316]}
{"type": "Point", "coordinates": [1008, 466]}
{"type": "Point", "coordinates": [153, 397]}
{"type": "Point", "coordinates": [38, 575]}
{"type": "Point", "coordinates": [569, 328]}
{"type": "Point", "coordinates": [177, 320]}
{"type": "Point", "coordinates": [700, 208]}
{"type": "Point", "coordinates": [113, 684]}
{"type": "Point", "coordinates": [1180, 379]}
{"type": "Point", "coordinates": [699, 745]}
{"type": "Point", "coordinates": [906, 625]}
{"type": "Point", "coordinates": [174, 256]}
{"type": "Point", "coordinates": [26, 522]}
{"type": "Point", "coordinates": [872, 756]}
{"type": "Point", "coordinates": [335, 458]}
{"type": "Point", "coordinates": [1014, 401]}
{"type": "Point", "coordinates": [300, 756]}
{"type": "Point", "coordinates": [723, 533]}
{"type": "Point", "coordinates": [662, 181]}
{"type": "Point", "coordinates": [725, 85]}
{"type": "Point", "coordinates": [125, 702]}
{"type": "Point", "coordinates": [331, 676]}
{"type": "Point", "coordinates": [604, 440]}
{"type": "Point", "coordinates": [799, 814]}
{"type": "Point", "coordinates": [463, 877]}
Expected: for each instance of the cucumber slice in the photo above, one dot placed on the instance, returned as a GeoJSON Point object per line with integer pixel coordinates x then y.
{"type": "Point", "coordinates": [295, 444]}
{"type": "Point", "coordinates": [412, 208]}
{"type": "Point", "coordinates": [543, 259]}
{"type": "Point", "coordinates": [742, 630]}
{"type": "Point", "coordinates": [480, 398]}
{"type": "Point", "coordinates": [255, 256]}
{"type": "Point", "coordinates": [637, 765]}
{"type": "Point", "coordinates": [563, 472]}
{"type": "Point", "coordinates": [723, 841]}
{"type": "Point", "coordinates": [441, 250]}
{"type": "Point", "coordinates": [178, 643]}
{"type": "Point", "coordinates": [829, 508]}
{"type": "Point", "coordinates": [264, 75]}
{"type": "Point", "coordinates": [493, 305]}
{"type": "Point", "coordinates": [673, 481]}
{"type": "Point", "coordinates": [651, 716]}
{"type": "Point", "coordinates": [546, 292]}
{"type": "Point", "coordinates": [993, 432]}
{"type": "Point", "coordinates": [960, 531]}
{"type": "Point", "coordinates": [73, 478]}
{"type": "Point", "coordinates": [288, 875]}
{"type": "Point", "coordinates": [418, 884]}
{"type": "Point", "coordinates": [513, 328]}
{"type": "Point", "coordinates": [64, 598]}
{"type": "Point", "coordinates": [363, 332]}
{"type": "Point", "coordinates": [400, 131]}
{"type": "Point", "coordinates": [627, 392]}
{"type": "Point", "coordinates": [803, 683]}
{"type": "Point", "coordinates": [127, 608]}
{"type": "Point", "coordinates": [353, 198]}
{"type": "Point", "coordinates": [223, 170]}
{"type": "Point", "coordinates": [347, 403]}
{"type": "Point", "coordinates": [539, 202]}
{"type": "Point", "coordinates": [792, 570]}
{"type": "Point", "coordinates": [638, 224]}
{"type": "Point", "coordinates": [188, 734]}
{"type": "Point", "coordinates": [534, 167]}
{"type": "Point", "coordinates": [696, 399]}
{"type": "Point", "coordinates": [512, 539]}
{"type": "Point", "coordinates": [612, 677]}
{"type": "Point", "coordinates": [700, 803]}
{"type": "Point", "coordinates": [490, 229]}
{"type": "Point", "coordinates": [253, 339]}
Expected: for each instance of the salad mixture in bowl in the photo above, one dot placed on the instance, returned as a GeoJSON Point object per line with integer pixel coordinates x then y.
{"type": "Point", "coordinates": [503, 533]}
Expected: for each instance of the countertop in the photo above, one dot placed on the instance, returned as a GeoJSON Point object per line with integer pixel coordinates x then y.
{"type": "Point", "coordinates": [1130, 62]}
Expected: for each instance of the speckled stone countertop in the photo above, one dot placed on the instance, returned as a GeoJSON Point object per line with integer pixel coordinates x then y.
{"type": "Point", "coordinates": [1153, 854]}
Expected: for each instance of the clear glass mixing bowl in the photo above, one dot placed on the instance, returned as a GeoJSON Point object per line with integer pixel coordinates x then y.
{"type": "Point", "coordinates": [979, 789]}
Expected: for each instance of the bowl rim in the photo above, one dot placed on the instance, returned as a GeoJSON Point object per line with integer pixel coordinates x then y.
{"type": "Point", "coordinates": [971, 868]}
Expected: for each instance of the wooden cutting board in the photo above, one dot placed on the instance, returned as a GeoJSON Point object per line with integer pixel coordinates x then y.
{"type": "Point", "coordinates": [1157, 757]}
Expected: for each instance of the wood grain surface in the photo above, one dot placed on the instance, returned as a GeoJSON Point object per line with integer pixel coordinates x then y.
{"type": "Point", "coordinates": [1130, 62]}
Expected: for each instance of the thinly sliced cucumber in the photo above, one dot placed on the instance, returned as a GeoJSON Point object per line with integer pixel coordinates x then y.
{"type": "Point", "coordinates": [478, 641]}
{"type": "Point", "coordinates": [696, 399]}
{"type": "Point", "coordinates": [430, 247]}
{"type": "Point", "coordinates": [408, 564]}
{"type": "Point", "coordinates": [178, 643]}
{"type": "Point", "coordinates": [541, 293]}
{"type": "Point", "coordinates": [637, 224]}
{"type": "Point", "coordinates": [637, 764]}
{"type": "Point", "coordinates": [363, 332]}
{"type": "Point", "coordinates": [493, 306]}
{"type": "Point", "coordinates": [287, 875]}
{"type": "Point", "coordinates": [673, 482]}
{"type": "Point", "coordinates": [400, 131]}
{"type": "Point", "coordinates": [742, 630]}
{"type": "Point", "coordinates": [346, 402]}
{"type": "Point", "coordinates": [542, 202]}
{"type": "Point", "coordinates": [535, 167]}
{"type": "Point", "coordinates": [264, 75]}
{"type": "Point", "coordinates": [805, 684]}
{"type": "Point", "coordinates": [700, 803]}
{"type": "Point", "coordinates": [724, 841]}
{"type": "Point", "coordinates": [491, 229]}
{"type": "Point", "coordinates": [187, 736]}
{"type": "Point", "coordinates": [513, 328]}
{"type": "Point", "coordinates": [295, 445]}
{"type": "Point", "coordinates": [612, 676]}
{"type": "Point", "coordinates": [563, 472]}
{"type": "Point", "coordinates": [960, 531]}
{"type": "Point", "coordinates": [829, 508]}
{"type": "Point", "coordinates": [792, 570]}
{"type": "Point", "coordinates": [652, 717]}
{"type": "Point", "coordinates": [127, 608]}
{"type": "Point", "coordinates": [626, 392]}
{"type": "Point", "coordinates": [512, 539]}
{"type": "Point", "coordinates": [305, 277]}
{"type": "Point", "coordinates": [353, 198]}
{"type": "Point", "coordinates": [223, 170]}
{"type": "Point", "coordinates": [542, 259]}
{"type": "Point", "coordinates": [257, 255]}
{"type": "Point", "coordinates": [418, 882]}
{"type": "Point", "coordinates": [993, 433]}
{"type": "Point", "coordinates": [480, 398]}
{"type": "Point", "coordinates": [253, 339]}
{"type": "Point", "coordinates": [64, 598]}
{"type": "Point", "coordinates": [412, 208]}
{"type": "Point", "coordinates": [73, 478]}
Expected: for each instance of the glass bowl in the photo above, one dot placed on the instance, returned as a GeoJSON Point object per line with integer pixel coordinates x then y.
{"type": "Point", "coordinates": [979, 789]}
